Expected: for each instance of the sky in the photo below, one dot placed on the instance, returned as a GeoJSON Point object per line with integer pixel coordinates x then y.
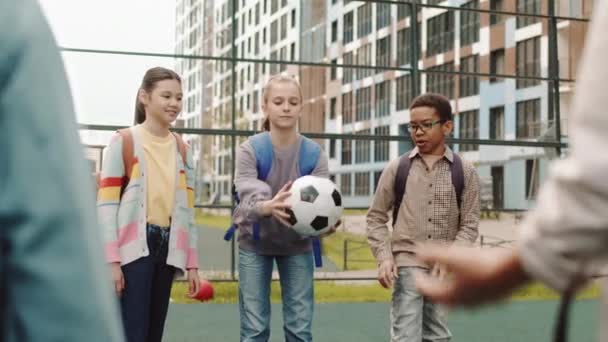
{"type": "Point", "coordinates": [104, 86]}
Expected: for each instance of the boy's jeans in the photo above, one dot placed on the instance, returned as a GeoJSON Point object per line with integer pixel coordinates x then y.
{"type": "Point", "coordinates": [296, 277]}
{"type": "Point", "coordinates": [413, 317]}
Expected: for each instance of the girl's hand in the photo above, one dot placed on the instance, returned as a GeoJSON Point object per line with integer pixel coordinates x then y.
{"type": "Point", "coordinates": [331, 230]}
{"type": "Point", "coordinates": [277, 205]}
{"type": "Point", "coordinates": [117, 278]}
{"type": "Point", "coordinates": [194, 284]}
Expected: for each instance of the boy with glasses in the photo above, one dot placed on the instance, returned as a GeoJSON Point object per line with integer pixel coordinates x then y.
{"type": "Point", "coordinates": [435, 197]}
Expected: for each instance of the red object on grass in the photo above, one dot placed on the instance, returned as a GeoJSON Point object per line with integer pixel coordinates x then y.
{"type": "Point", "coordinates": [205, 292]}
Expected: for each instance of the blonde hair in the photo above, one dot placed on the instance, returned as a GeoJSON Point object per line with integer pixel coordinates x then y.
{"type": "Point", "coordinates": [282, 77]}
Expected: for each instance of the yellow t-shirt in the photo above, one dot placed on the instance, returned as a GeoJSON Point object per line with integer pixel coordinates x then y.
{"type": "Point", "coordinates": [160, 154]}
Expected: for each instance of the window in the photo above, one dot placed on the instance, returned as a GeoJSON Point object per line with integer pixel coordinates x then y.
{"type": "Point", "coordinates": [382, 99]}
{"type": "Point", "coordinates": [256, 43]}
{"type": "Point", "coordinates": [334, 31]}
{"type": "Point", "coordinates": [532, 178]}
{"type": "Point", "coordinates": [283, 57]}
{"type": "Point", "coordinates": [383, 15]}
{"type": "Point", "coordinates": [469, 129]}
{"type": "Point", "coordinates": [283, 26]}
{"type": "Point", "coordinates": [361, 183]}
{"type": "Point", "coordinates": [345, 187]}
{"type": "Point", "coordinates": [274, 32]}
{"type": "Point", "coordinates": [383, 52]}
{"type": "Point", "coordinates": [332, 108]}
{"type": "Point", "coordinates": [528, 7]}
{"type": "Point", "coordinates": [497, 123]}
{"type": "Point", "coordinates": [363, 104]}
{"type": "Point", "coordinates": [364, 58]}
{"type": "Point", "coordinates": [348, 72]}
{"type": "Point", "coordinates": [257, 13]}
{"type": "Point", "coordinates": [293, 51]}
{"type": "Point", "coordinates": [528, 119]}
{"type": "Point", "coordinates": [274, 6]}
{"type": "Point", "coordinates": [404, 45]}
{"type": "Point", "coordinates": [347, 108]}
{"type": "Point", "coordinates": [497, 64]}
{"type": "Point", "coordinates": [364, 19]}
{"type": "Point", "coordinates": [469, 24]}
{"type": "Point", "coordinates": [403, 11]}
{"type": "Point", "coordinates": [334, 70]}
{"type": "Point", "coordinates": [377, 175]}
{"type": "Point", "coordinates": [440, 34]}
{"type": "Point", "coordinates": [274, 68]}
{"type": "Point", "coordinates": [528, 62]}
{"type": "Point", "coordinates": [362, 148]}
{"type": "Point", "coordinates": [469, 85]}
{"type": "Point", "coordinates": [332, 148]}
{"type": "Point", "coordinates": [441, 83]}
{"type": "Point", "coordinates": [496, 5]}
{"type": "Point", "coordinates": [256, 104]}
{"type": "Point", "coordinates": [347, 157]}
{"type": "Point", "coordinates": [404, 145]}
{"type": "Point", "coordinates": [404, 92]}
{"type": "Point", "coordinates": [348, 27]}
{"type": "Point", "coordinates": [381, 147]}
{"type": "Point", "coordinates": [293, 18]}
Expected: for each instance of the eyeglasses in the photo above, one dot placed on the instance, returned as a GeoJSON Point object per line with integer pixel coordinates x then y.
{"type": "Point", "coordinates": [425, 126]}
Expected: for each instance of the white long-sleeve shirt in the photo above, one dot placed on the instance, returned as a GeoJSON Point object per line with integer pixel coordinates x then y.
{"type": "Point", "coordinates": [567, 233]}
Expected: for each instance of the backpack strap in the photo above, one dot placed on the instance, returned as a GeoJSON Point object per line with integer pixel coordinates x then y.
{"type": "Point", "coordinates": [308, 159]}
{"type": "Point", "coordinates": [403, 171]}
{"type": "Point", "coordinates": [181, 146]}
{"type": "Point", "coordinates": [457, 171]}
{"type": "Point", "coordinates": [262, 147]}
{"type": "Point", "coordinates": [309, 156]}
{"type": "Point", "coordinates": [128, 157]}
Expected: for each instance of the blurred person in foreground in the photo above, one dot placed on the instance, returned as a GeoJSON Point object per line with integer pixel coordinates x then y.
{"type": "Point", "coordinates": [53, 283]}
{"type": "Point", "coordinates": [565, 237]}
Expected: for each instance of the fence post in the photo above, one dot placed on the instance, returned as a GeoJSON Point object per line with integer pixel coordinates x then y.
{"type": "Point", "coordinates": [345, 255]}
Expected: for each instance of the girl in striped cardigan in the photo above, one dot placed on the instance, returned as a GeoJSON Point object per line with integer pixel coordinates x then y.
{"type": "Point", "coordinates": [145, 204]}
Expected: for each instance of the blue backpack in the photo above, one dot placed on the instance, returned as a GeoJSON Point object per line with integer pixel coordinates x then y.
{"type": "Point", "coordinates": [309, 156]}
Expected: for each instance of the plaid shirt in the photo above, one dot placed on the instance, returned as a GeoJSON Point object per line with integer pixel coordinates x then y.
{"type": "Point", "coordinates": [429, 211]}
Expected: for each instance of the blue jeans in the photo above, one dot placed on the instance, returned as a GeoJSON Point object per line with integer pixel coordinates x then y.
{"type": "Point", "coordinates": [296, 277]}
{"type": "Point", "coordinates": [148, 280]}
{"type": "Point", "coordinates": [413, 317]}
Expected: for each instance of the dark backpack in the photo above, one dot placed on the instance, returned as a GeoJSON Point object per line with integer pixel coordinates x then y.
{"type": "Point", "coordinates": [307, 161]}
{"type": "Point", "coordinates": [403, 171]}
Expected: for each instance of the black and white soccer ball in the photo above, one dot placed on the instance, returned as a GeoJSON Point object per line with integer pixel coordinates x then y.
{"type": "Point", "coordinates": [316, 205]}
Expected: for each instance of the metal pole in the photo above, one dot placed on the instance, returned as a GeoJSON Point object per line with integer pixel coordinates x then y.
{"type": "Point", "coordinates": [554, 74]}
{"type": "Point", "coordinates": [414, 47]}
{"type": "Point", "coordinates": [233, 138]}
{"type": "Point", "coordinates": [345, 255]}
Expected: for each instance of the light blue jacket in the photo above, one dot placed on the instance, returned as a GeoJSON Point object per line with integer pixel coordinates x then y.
{"type": "Point", "coordinates": [54, 285]}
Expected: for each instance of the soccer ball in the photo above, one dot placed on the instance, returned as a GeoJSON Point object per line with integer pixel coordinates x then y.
{"type": "Point", "coordinates": [316, 205]}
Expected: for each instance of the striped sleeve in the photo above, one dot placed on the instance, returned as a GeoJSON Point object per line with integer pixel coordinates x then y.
{"type": "Point", "coordinates": [108, 196]}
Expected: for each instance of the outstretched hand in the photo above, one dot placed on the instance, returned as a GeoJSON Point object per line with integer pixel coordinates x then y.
{"type": "Point", "coordinates": [475, 276]}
